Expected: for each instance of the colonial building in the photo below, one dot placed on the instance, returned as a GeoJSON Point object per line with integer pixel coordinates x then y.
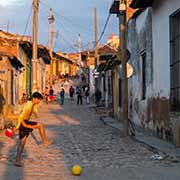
{"type": "Point", "coordinates": [9, 80]}
{"type": "Point", "coordinates": [105, 73]}
{"type": "Point", "coordinates": [63, 65]}
{"type": "Point", "coordinates": [16, 72]}
{"type": "Point", "coordinates": [153, 40]}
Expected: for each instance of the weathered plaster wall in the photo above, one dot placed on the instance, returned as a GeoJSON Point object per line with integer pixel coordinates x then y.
{"type": "Point", "coordinates": [162, 9]}
{"type": "Point", "coordinates": [140, 40]}
{"type": "Point", "coordinates": [150, 32]}
{"type": "Point", "coordinates": [116, 91]}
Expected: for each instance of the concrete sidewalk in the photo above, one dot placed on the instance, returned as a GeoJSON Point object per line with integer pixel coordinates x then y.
{"type": "Point", "coordinates": [153, 142]}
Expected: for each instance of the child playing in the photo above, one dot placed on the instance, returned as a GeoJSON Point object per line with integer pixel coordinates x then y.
{"type": "Point", "coordinates": [25, 126]}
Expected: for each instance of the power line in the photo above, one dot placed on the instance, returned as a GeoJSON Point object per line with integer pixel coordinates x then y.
{"type": "Point", "coordinates": [27, 22]}
{"type": "Point", "coordinates": [78, 25]}
{"type": "Point", "coordinates": [66, 29]}
{"type": "Point", "coordinates": [67, 19]}
{"type": "Point", "coordinates": [58, 15]}
{"type": "Point", "coordinates": [106, 23]}
{"type": "Point", "coordinates": [47, 42]}
{"type": "Point", "coordinates": [71, 45]}
{"type": "Point", "coordinates": [70, 32]}
{"type": "Point", "coordinates": [59, 23]}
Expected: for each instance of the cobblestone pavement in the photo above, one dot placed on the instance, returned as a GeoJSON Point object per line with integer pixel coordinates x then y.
{"type": "Point", "coordinates": [81, 138]}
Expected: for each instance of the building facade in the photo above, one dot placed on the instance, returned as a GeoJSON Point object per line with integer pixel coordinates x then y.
{"type": "Point", "coordinates": [153, 40]}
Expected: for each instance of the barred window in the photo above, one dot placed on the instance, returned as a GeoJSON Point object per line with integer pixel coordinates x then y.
{"type": "Point", "coordinates": [143, 74]}
{"type": "Point", "coordinates": [175, 61]}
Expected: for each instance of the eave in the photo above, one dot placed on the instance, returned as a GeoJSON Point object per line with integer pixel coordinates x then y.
{"type": "Point", "coordinates": [15, 62]}
{"type": "Point", "coordinates": [141, 4]}
{"type": "Point", "coordinates": [114, 9]}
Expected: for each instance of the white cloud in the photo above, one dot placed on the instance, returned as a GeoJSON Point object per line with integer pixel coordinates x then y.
{"type": "Point", "coordinates": [8, 2]}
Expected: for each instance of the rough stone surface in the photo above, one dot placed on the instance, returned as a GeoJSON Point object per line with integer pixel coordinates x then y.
{"type": "Point", "coordinates": [81, 138]}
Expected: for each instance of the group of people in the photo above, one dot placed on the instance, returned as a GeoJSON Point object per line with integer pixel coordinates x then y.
{"type": "Point", "coordinates": [49, 94]}
{"type": "Point", "coordinates": [80, 92]}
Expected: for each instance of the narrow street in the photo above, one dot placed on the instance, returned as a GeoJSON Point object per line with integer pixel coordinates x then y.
{"type": "Point", "coordinates": [122, 58]}
{"type": "Point", "coordinates": [81, 138]}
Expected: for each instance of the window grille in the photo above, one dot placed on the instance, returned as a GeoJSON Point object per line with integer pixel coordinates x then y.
{"type": "Point", "coordinates": [175, 61]}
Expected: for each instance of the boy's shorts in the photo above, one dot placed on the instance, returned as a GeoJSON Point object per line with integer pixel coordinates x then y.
{"type": "Point", "coordinates": [23, 131]}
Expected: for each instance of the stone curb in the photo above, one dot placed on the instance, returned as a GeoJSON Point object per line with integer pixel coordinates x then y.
{"type": "Point", "coordinates": [154, 143]}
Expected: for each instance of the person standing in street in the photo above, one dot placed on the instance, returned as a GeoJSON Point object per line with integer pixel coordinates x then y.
{"type": "Point", "coordinates": [62, 92]}
{"type": "Point", "coordinates": [25, 126]}
{"type": "Point", "coordinates": [71, 93]}
{"type": "Point", "coordinates": [46, 94]}
{"type": "Point", "coordinates": [51, 94]}
{"type": "Point", "coordinates": [98, 96]}
{"type": "Point", "coordinates": [79, 95]}
{"type": "Point", "coordinates": [87, 94]}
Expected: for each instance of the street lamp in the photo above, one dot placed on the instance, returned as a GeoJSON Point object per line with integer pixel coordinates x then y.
{"type": "Point", "coordinates": [119, 7]}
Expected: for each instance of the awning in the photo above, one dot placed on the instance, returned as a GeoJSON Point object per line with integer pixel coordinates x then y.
{"type": "Point", "coordinates": [15, 62]}
{"type": "Point", "coordinates": [141, 4]}
{"type": "Point", "coordinates": [105, 57]}
{"type": "Point", "coordinates": [101, 67]}
{"type": "Point", "coordinates": [27, 48]}
{"type": "Point", "coordinates": [114, 7]}
{"type": "Point", "coordinates": [109, 64]}
{"type": "Point", "coordinates": [44, 54]}
{"type": "Point", "coordinates": [112, 63]}
{"type": "Point", "coordinates": [42, 51]}
{"type": "Point", "coordinates": [61, 57]}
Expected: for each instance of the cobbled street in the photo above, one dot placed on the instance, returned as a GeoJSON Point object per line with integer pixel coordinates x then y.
{"type": "Point", "coordinates": [81, 138]}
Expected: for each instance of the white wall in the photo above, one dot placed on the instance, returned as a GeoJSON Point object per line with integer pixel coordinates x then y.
{"type": "Point", "coordinates": [162, 9]}
{"type": "Point", "coordinates": [139, 40]}
{"type": "Point", "coordinates": [92, 81]}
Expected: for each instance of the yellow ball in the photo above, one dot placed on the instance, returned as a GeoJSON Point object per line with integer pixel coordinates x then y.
{"type": "Point", "coordinates": [76, 170]}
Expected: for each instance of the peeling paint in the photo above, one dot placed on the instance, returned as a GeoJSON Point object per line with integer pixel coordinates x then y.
{"type": "Point", "coordinates": [158, 109]}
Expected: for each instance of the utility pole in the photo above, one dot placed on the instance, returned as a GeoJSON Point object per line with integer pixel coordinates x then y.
{"type": "Point", "coordinates": [8, 26]}
{"type": "Point", "coordinates": [51, 20]}
{"type": "Point", "coordinates": [88, 53]}
{"type": "Point", "coordinates": [35, 51]}
{"type": "Point", "coordinates": [95, 47]}
{"type": "Point", "coordinates": [119, 7]}
{"type": "Point", "coordinates": [122, 52]}
{"type": "Point", "coordinates": [87, 60]}
{"type": "Point", "coordinates": [79, 50]}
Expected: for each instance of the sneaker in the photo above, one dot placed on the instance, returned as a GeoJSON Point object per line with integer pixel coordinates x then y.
{"type": "Point", "coordinates": [47, 143]}
{"type": "Point", "coordinates": [18, 164]}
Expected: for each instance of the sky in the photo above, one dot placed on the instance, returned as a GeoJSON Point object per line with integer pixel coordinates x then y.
{"type": "Point", "coordinates": [71, 18]}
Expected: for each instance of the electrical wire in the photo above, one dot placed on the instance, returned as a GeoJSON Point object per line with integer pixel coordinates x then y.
{"type": "Point", "coordinates": [67, 19]}
{"type": "Point", "coordinates": [27, 22]}
{"type": "Point", "coordinates": [71, 45]}
{"type": "Point", "coordinates": [70, 31]}
{"type": "Point", "coordinates": [67, 30]}
{"type": "Point", "coordinates": [105, 26]}
{"type": "Point", "coordinates": [58, 23]}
